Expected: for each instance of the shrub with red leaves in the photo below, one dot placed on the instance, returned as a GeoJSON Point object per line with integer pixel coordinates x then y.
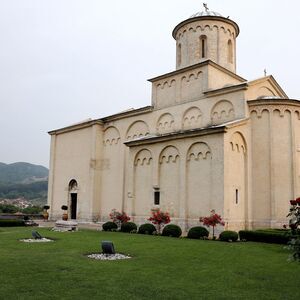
{"type": "Point", "coordinates": [159, 218]}
{"type": "Point", "coordinates": [213, 220]}
{"type": "Point", "coordinates": [294, 224]}
{"type": "Point", "coordinates": [119, 217]}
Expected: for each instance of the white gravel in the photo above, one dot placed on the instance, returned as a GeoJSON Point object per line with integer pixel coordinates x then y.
{"type": "Point", "coordinates": [42, 240]}
{"type": "Point", "coordinates": [101, 256]}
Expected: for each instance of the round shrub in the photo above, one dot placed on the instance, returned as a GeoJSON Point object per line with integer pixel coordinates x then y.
{"type": "Point", "coordinates": [228, 236]}
{"type": "Point", "coordinates": [128, 227]}
{"type": "Point", "coordinates": [172, 230]}
{"type": "Point", "coordinates": [147, 229]}
{"type": "Point", "coordinates": [198, 232]}
{"type": "Point", "coordinates": [109, 226]}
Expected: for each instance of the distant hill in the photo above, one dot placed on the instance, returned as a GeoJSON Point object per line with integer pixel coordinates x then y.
{"type": "Point", "coordinates": [22, 172]}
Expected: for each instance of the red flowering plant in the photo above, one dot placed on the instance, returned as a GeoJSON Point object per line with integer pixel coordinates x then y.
{"type": "Point", "coordinates": [294, 224]}
{"type": "Point", "coordinates": [213, 220]}
{"type": "Point", "coordinates": [159, 218]}
{"type": "Point", "coordinates": [119, 217]}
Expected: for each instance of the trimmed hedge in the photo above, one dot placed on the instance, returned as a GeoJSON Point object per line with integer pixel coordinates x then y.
{"type": "Point", "coordinates": [172, 230]}
{"type": "Point", "coordinates": [197, 232]}
{"type": "Point", "coordinates": [11, 223]}
{"type": "Point", "coordinates": [228, 236]}
{"type": "Point", "coordinates": [264, 236]}
{"type": "Point", "coordinates": [109, 226]}
{"type": "Point", "coordinates": [147, 229]}
{"type": "Point", "coordinates": [128, 227]}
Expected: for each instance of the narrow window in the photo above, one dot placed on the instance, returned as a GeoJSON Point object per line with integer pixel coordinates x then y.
{"type": "Point", "coordinates": [236, 196]}
{"type": "Point", "coordinates": [203, 46]}
{"type": "Point", "coordinates": [179, 54]}
{"type": "Point", "coordinates": [230, 52]}
{"type": "Point", "coordinates": [156, 196]}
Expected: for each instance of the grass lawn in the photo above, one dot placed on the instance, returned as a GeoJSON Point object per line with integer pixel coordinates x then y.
{"type": "Point", "coordinates": [161, 268]}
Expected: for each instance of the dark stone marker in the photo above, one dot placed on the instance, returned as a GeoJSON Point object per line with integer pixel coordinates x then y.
{"type": "Point", "coordinates": [108, 247]}
{"type": "Point", "coordinates": [36, 235]}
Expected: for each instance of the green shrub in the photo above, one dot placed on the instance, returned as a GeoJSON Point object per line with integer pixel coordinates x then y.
{"type": "Point", "coordinates": [147, 229]}
{"type": "Point", "coordinates": [109, 226]}
{"type": "Point", "coordinates": [128, 227]}
{"type": "Point", "coordinates": [11, 223]}
{"type": "Point", "coordinates": [198, 232]}
{"type": "Point", "coordinates": [264, 236]}
{"type": "Point", "coordinates": [172, 230]}
{"type": "Point", "coordinates": [229, 236]}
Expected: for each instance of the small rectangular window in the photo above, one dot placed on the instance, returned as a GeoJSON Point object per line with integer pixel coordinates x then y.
{"type": "Point", "coordinates": [156, 197]}
{"type": "Point", "coordinates": [203, 47]}
{"type": "Point", "coordinates": [236, 196]}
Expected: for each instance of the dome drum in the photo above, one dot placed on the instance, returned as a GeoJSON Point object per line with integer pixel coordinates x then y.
{"type": "Point", "coordinates": [207, 36]}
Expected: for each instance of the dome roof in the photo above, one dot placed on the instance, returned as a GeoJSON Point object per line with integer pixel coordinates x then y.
{"type": "Point", "coordinates": [206, 13]}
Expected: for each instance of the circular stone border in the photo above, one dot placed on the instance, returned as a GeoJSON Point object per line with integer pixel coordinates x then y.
{"type": "Point", "coordinates": [102, 256]}
{"type": "Point", "coordinates": [42, 240]}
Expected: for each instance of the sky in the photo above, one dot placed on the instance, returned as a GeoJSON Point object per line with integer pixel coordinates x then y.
{"type": "Point", "coordinates": [64, 61]}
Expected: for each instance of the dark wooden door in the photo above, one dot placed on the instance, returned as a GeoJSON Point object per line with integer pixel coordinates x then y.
{"type": "Point", "coordinates": [73, 206]}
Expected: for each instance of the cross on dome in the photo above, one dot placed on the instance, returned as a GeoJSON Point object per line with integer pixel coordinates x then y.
{"type": "Point", "coordinates": [206, 7]}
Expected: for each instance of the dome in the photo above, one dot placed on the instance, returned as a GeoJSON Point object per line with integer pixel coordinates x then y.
{"type": "Point", "coordinates": [206, 13]}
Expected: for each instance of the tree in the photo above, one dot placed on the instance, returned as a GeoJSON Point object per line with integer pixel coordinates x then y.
{"type": "Point", "coordinates": [294, 224]}
{"type": "Point", "coordinates": [213, 220]}
{"type": "Point", "coordinates": [159, 218]}
{"type": "Point", "coordinates": [119, 217]}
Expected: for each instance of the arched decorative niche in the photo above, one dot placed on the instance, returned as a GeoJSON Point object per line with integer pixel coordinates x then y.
{"type": "Point", "coordinates": [137, 129]}
{"type": "Point", "coordinates": [198, 151]}
{"type": "Point", "coordinates": [199, 179]}
{"type": "Point", "coordinates": [265, 92]}
{"type": "Point", "coordinates": [143, 188]}
{"type": "Point", "coordinates": [165, 123]}
{"type": "Point", "coordinates": [237, 176]}
{"type": "Point", "coordinates": [170, 154]}
{"type": "Point", "coordinates": [111, 136]}
{"type": "Point", "coordinates": [169, 179]}
{"type": "Point", "coordinates": [143, 157]}
{"type": "Point", "coordinates": [238, 142]}
{"type": "Point", "coordinates": [222, 111]}
{"type": "Point", "coordinates": [192, 118]}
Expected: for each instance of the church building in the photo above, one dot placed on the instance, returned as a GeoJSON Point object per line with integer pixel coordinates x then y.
{"type": "Point", "coordinates": [209, 140]}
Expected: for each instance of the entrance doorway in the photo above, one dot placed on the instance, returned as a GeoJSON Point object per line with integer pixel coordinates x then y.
{"type": "Point", "coordinates": [73, 206]}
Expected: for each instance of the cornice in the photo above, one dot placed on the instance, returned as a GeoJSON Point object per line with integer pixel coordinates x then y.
{"type": "Point", "coordinates": [75, 127]}
{"type": "Point", "coordinates": [195, 66]}
{"type": "Point", "coordinates": [203, 18]}
{"type": "Point", "coordinates": [226, 90]}
{"type": "Point", "coordinates": [261, 102]}
{"type": "Point", "coordinates": [101, 121]}
{"type": "Point", "coordinates": [129, 113]}
{"type": "Point", "coordinates": [176, 135]}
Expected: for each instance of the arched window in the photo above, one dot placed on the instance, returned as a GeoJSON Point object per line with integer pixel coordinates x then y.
{"type": "Point", "coordinates": [230, 52]}
{"type": "Point", "coordinates": [179, 54]}
{"type": "Point", "coordinates": [203, 46]}
{"type": "Point", "coordinates": [73, 185]}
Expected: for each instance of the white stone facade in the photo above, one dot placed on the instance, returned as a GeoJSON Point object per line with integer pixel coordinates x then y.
{"type": "Point", "coordinates": [210, 140]}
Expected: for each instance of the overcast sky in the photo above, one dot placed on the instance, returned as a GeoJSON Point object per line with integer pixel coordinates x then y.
{"type": "Point", "coordinates": [63, 61]}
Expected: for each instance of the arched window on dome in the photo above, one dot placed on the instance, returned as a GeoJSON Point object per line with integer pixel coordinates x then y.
{"type": "Point", "coordinates": [230, 52]}
{"type": "Point", "coordinates": [203, 46]}
{"type": "Point", "coordinates": [179, 54]}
